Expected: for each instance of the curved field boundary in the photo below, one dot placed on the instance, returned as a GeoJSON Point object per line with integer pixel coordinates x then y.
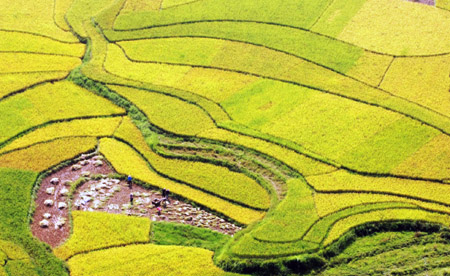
{"type": "Point", "coordinates": [397, 108]}
{"type": "Point", "coordinates": [141, 170]}
{"type": "Point", "coordinates": [344, 182]}
{"type": "Point", "coordinates": [45, 155]}
{"type": "Point", "coordinates": [51, 122]}
{"type": "Point", "coordinates": [330, 203]}
{"type": "Point", "coordinates": [96, 230]}
{"type": "Point", "coordinates": [150, 258]}
{"type": "Point", "coordinates": [96, 127]}
{"type": "Point", "coordinates": [318, 232]}
{"type": "Point", "coordinates": [25, 42]}
{"type": "Point", "coordinates": [268, 23]}
{"type": "Point", "coordinates": [12, 87]}
{"type": "Point", "coordinates": [345, 225]}
{"type": "Point", "coordinates": [309, 154]}
{"type": "Point", "coordinates": [39, 34]}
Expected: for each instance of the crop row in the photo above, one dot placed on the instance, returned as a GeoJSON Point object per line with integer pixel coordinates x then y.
{"type": "Point", "coordinates": [328, 203]}
{"type": "Point", "coordinates": [210, 83]}
{"type": "Point", "coordinates": [333, 54]}
{"type": "Point", "coordinates": [346, 224]}
{"type": "Point", "coordinates": [345, 181]}
{"type": "Point", "coordinates": [249, 247]}
{"type": "Point", "coordinates": [42, 156]}
{"type": "Point", "coordinates": [228, 44]}
{"type": "Point", "coordinates": [291, 218]}
{"type": "Point", "coordinates": [127, 161]}
{"type": "Point", "coordinates": [325, 80]}
{"type": "Point", "coordinates": [50, 102]}
{"type": "Point", "coordinates": [29, 43]}
{"type": "Point", "coordinates": [285, 12]}
{"type": "Point", "coordinates": [320, 229]}
{"type": "Point", "coordinates": [148, 259]}
{"type": "Point", "coordinates": [90, 127]}
{"type": "Point", "coordinates": [95, 230]}
{"type": "Point", "coordinates": [36, 18]}
{"type": "Point", "coordinates": [11, 83]}
{"type": "Point", "coordinates": [149, 103]}
{"type": "Point", "coordinates": [372, 151]}
{"type": "Point", "coordinates": [215, 179]}
{"type": "Point", "coordinates": [31, 62]}
{"type": "Point", "coordinates": [167, 112]}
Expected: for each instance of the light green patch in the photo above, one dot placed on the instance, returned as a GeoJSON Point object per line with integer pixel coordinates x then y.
{"type": "Point", "coordinates": [13, 116]}
{"type": "Point", "coordinates": [319, 231]}
{"type": "Point", "coordinates": [323, 50]}
{"type": "Point", "coordinates": [329, 125]}
{"type": "Point", "coordinates": [336, 17]}
{"type": "Point", "coordinates": [175, 50]}
{"type": "Point", "coordinates": [288, 12]}
{"type": "Point", "coordinates": [83, 10]}
{"type": "Point", "coordinates": [264, 101]}
{"type": "Point", "coordinates": [292, 217]}
{"type": "Point", "coordinates": [388, 148]}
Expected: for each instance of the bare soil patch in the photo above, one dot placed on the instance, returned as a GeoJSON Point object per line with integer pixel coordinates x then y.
{"type": "Point", "coordinates": [110, 195]}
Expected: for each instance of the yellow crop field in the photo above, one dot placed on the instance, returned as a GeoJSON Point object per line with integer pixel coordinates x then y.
{"type": "Point", "coordinates": [159, 74]}
{"type": "Point", "coordinates": [423, 80]}
{"type": "Point", "coordinates": [370, 68]}
{"type": "Point", "coordinates": [342, 180]}
{"type": "Point", "coordinates": [14, 82]}
{"type": "Point", "coordinates": [29, 43]}
{"type": "Point", "coordinates": [24, 62]}
{"type": "Point", "coordinates": [300, 127]}
{"type": "Point", "coordinates": [215, 179]}
{"type": "Point", "coordinates": [399, 27]}
{"type": "Point", "coordinates": [35, 17]}
{"type": "Point", "coordinates": [96, 230]}
{"type": "Point", "coordinates": [48, 102]}
{"type": "Point", "coordinates": [167, 112]}
{"type": "Point", "coordinates": [443, 4]}
{"type": "Point", "coordinates": [126, 161]}
{"type": "Point", "coordinates": [41, 157]}
{"type": "Point", "coordinates": [60, 9]}
{"type": "Point", "coordinates": [431, 161]}
{"type": "Point", "coordinates": [327, 204]}
{"type": "Point", "coordinates": [90, 127]}
{"type": "Point", "coordinates": [345, 224]}
{"type": "Point", "coordinates": [149, 258]}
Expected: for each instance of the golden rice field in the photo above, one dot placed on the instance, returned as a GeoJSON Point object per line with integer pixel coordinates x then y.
{"type": "Point", "coordinates": [319, 127]}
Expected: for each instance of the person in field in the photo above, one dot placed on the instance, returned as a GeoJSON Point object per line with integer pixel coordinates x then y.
{"type": "Point", "coordinates": [130, 181]}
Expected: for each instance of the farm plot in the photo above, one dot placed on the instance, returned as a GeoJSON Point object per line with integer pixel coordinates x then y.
{"type": "Point", "coordinates": [280, 12]}
{"type": "Point", "coordinates": [348, 114]}
{"type": "Point", "coordinates": [50, 102]}
{"type": "Point", "coordinates": [149, 258]}
{"type": "Point", "coordinates": [127, 161]}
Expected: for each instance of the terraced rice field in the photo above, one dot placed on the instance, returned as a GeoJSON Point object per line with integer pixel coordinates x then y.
{"type": "Point", "coordinates": [295, 137]}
